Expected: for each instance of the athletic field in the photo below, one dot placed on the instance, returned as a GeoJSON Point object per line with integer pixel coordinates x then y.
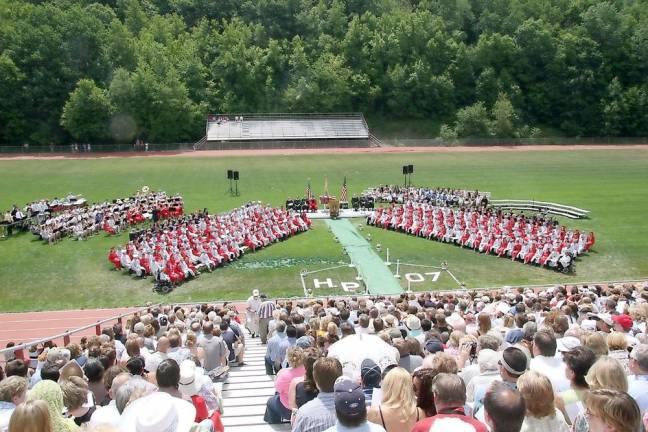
{"type": "Point", "coordinates": [612, 184]}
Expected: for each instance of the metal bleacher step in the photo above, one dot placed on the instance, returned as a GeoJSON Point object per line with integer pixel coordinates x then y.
{"type": "Point", "coordinates": [246, 391]}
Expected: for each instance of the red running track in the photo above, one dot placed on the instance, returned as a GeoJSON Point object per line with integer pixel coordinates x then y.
{"type": "Point", "coordinates": [28, 326]}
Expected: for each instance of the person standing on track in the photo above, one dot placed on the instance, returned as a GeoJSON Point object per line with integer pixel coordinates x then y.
{"type": "Point", "coordinates": [252, 313]}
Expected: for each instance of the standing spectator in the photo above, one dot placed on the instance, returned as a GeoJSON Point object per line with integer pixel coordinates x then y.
{"type": "Point", "coordinates": [13, 391]}
{"type": "Point", "coordinates": [545, 360]}
{"type": "Point", "coordinates": [319, 414]}
{"type": "Point", "coordinates": [504, 408]}
{"type": "Point", "coordinates": [449, 399]}
{"type": "Point", "coordinates": [252, 313]}
{"type": "Point", "coordinates": [31, 416]}
{"type": "Point", "coordinates": [277, 407]}
{"type": "Point", "coordinates": [397, 410]}
{"type": "Point", "coordinates": [612, 411]}
{"type": "Point", "coordinates": [638, 383]}
{"type": "Point", "coordinates": [541, 412]}
{"type": "Point", "coordinates": [265, 313]}
{"type": "Point", "coordinates": [276, 349]}
{"type": "Point", "coordinates": [351, 409]}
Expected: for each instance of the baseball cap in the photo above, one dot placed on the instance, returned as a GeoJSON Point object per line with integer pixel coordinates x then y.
{"type": "Point", "coordinates": [514, 336]}
{"type": "Point", "coordinates": [625, 321]}
{"type": "Point", "coordinates": [349, 399]}
{"type": "Point", "coordinates": [255, 293]}
{"type": "Point", "coordinates": [304, 342]}
{"type": "Point", "coordinates": [370, 373]}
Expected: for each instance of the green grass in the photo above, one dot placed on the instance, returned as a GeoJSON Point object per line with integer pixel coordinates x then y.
{"type": "Point", "coordinates": [34, 276]}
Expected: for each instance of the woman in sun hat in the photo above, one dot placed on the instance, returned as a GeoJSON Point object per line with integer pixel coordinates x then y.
{"type": "Point", "coordinates": [191, 383]}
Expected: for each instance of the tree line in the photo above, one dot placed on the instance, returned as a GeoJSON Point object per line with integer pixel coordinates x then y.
{"type": "Point", "coordinates": [118, 70]}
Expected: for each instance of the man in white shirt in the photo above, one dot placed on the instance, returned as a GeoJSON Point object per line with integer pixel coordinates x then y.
{"type": "Point", "coordinates": [252, 314]}
{"type": "Point", "coordinates": [546, 362]}
{"type": "Point", "coordinates": [638, 382]}
{"type": "Point", "coordinates": [154, 360]}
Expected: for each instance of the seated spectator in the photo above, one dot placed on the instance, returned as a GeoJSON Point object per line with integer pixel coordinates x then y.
{"type": "Point", "coordinates": [77, 401]}
{"type": "Point", "coordinates": [13, 391]}
{"type": "Point", "coordinates": [541, 412]}
{"type": "Point", "coordinates": [31, 416]}
{"type": "Point", "coordinates": [109, 415]}
{"type": "Point", "coordinates": [504, 408]}
{"type": "Point", "coordinates": [545, 360]}
{"type": "Point", "coordinates": [422, 384]}
{"type": "Point", "coordinates": [397, 410]}
{"type": "Point", "coordinates": [370, 377]}
{"type": "Point", "coordinates": [168, 378]}
{"type": "Point", "coordinates": [319, 414]}
{"type": "Point", "coordinates": [303, 389]}
{"type": "Point", "coordinates": [158, 412]}
{"type": "Point", "coordinates": [351, 409]}
{"type": "Point", "coordinates": [407, 361]}
{"type": "Point", "coordinates": [488, 361]}
{"type": "Point", "coordinates": [618, 348]}
{"type": "Point", "coordinates": [638, 382]}
{"type": "Point", "coordinates": [16, 367]}
{"type": "Point", "coordinates": [277, 407]}
{"type": "Point", "coordinates": [449, 400]}
{"type": "Point", "coordinates": [578, 362]}
{"type": "Point", "coordinates": [190, 385]}
{"type": "Point", "coordinates": [51, 393]}
{"type": "Point", "coordinates": [94, 371]}
{"type": "Point", "coordinates": [612, 411]}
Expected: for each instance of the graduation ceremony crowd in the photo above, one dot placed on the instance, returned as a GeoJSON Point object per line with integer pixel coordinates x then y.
{"type": "Point", "coordinates": [531, 240]}
{"type": "Point", "coordinates": [178, 249]}
{"type": "Point", "coordinates": [567, 358]}
{"type": "Point", "coordinates": [446, 197]}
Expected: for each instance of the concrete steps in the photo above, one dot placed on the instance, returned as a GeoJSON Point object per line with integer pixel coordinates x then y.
{"type": "Point", "coordinates": [246, 392]}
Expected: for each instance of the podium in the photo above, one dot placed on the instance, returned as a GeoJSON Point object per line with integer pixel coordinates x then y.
{"type": "Point", "coordinates": [334, 207]}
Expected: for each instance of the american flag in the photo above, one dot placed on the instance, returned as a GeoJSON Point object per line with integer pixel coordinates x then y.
{"type": "Point", "coordinates": [309, 191]}
{"type": "Point", "coordinates": [344, 192]}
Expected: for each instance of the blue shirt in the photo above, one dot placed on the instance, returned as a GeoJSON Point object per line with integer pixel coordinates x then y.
{"type": "Point", "coordinates": [277, 347]}
{"type": "Point", "coordinates": [316, 415]}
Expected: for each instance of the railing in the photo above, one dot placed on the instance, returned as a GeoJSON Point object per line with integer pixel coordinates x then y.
{"type": "Point", "coordinates": [485, 142]}
{"type": "Point", "coordinates": [95, 148]}
{"type": "Point", "coordinates": [281, 116]}
{"type": "Point", "coordinates": [553, 208]}
{"type": "Point", "coordinates": [19, 349]}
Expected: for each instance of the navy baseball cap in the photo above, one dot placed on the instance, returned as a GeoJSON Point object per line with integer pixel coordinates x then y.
{"type": "Point", "coordinates": [433, 345]}
{"type": "Point", "coordinates": [349, 398]}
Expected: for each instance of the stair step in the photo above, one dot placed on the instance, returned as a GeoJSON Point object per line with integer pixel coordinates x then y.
{"type": "Point", "coordinates": [244, 411]}
{"type": "Point", "coordinates": [250, 421]}
{"type": "Point", "coordinates": [250, 400]}
{"type": "Point", "coordinates": [248, 385]}
{"type": "Point", "coordinates": [249, 392]}
{"type": "Point", "coordinates": [260, 428]}
{"type": "Point", "coordinates": [247, 379]}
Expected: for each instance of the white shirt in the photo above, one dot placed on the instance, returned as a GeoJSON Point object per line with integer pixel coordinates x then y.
{"type": "Point", "coordinates": [106, 415]}
{"type": "Point", "coordinates": [554, 369]}
{"type": "Point", "coordinates": [638, 389]}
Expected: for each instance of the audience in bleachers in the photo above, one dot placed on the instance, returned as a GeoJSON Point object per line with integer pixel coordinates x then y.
{"type": "Point", "coordinates": [487, 383]}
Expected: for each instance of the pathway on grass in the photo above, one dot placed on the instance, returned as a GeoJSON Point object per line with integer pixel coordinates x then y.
{"type": "Point", "coordinates": [376, 275]}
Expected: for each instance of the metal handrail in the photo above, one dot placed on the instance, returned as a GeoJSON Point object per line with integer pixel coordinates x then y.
{"type": "Point", "coordinates": [66, 335]}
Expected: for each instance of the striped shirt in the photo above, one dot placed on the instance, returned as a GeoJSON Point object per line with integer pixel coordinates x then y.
{"type": "Point", "coordinates": [266, 308]}
{"type": "Point", "coordinates": [316, 415]}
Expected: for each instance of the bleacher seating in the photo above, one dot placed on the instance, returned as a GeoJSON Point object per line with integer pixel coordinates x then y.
{"type": "Point", "coordinates": [542, 207]}
{"type": "Point", "coordinates": [255, 128]}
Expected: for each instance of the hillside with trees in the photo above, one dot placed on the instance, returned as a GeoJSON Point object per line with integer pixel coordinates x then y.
{"type": "Point", "coordinates": [117, 70]}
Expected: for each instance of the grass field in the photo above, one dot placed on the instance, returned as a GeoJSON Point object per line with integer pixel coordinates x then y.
{"type": "Point", "coordinates": [34, 276]}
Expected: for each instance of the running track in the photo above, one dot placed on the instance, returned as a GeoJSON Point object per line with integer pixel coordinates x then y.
{"type": "Point", "coordinates": [28, 326]}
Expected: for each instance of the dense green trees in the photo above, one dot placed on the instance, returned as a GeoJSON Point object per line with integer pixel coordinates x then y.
{"type": "Point", "coordinates": [116, 70]}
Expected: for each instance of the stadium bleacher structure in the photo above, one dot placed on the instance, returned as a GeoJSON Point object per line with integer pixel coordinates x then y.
{"type": "Point", "coordinates": [235, 131]}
